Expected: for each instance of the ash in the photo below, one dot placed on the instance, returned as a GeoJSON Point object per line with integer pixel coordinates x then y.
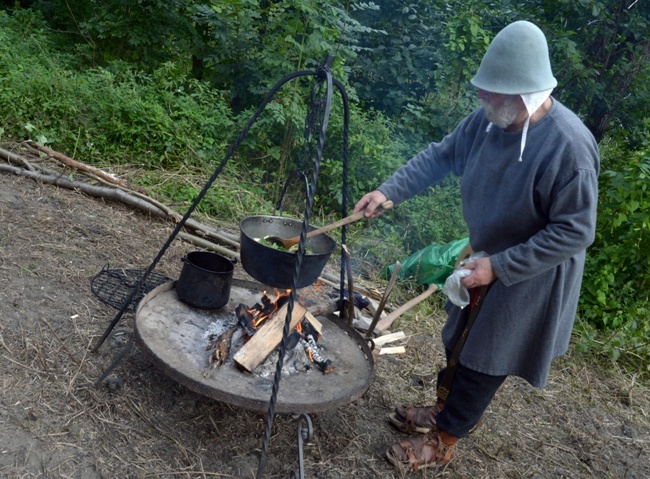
{"type": "Point", "coordinates": [216, 328]}
{"type": "Point", "coordinates": [296, 359]}
{"type": "Point", "coordinates": [295, 362]}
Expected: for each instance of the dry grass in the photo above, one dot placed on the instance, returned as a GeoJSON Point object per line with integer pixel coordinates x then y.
{"type": "Point", "coordinates": [590, 421]}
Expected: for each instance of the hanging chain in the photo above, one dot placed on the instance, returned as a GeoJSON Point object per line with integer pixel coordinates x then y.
{"type": "Point", "coordinates": [320, 102]}
{"type": "Point", "coordinates": [304, 164]}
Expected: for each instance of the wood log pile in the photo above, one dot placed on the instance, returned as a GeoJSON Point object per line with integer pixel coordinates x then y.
{"type": "Point", "coordinates": [45, 165]}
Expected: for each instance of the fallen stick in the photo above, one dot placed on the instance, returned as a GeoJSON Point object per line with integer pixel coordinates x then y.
{"type": "Point", "coordinates": [115, 192]}
{"type": "Point", "coordinates": [92, 190]}
{"type": "Point", "coordinates": [78, 165]}
{"type": "Point", "coordinates": [208, 232]}
{"type": "Point", "coordinates": [121, 196]}
{"type": "Point", "coordinates": [12, 157]}
{"type": "Point", "coordinates": [205, 244]}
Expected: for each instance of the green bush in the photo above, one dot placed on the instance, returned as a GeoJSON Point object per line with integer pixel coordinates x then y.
{"type": "Point", "coordinates": [614, 304]}
{"type": "Point", "coordinates": [117, 115]}
{"type": "Point", "coordinates": [162, 119]}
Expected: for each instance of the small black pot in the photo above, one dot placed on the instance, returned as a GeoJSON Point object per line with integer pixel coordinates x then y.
{"type": "Point", "coordinates": [205, 280]}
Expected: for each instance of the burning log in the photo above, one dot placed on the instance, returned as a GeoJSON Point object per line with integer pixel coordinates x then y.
{"type": "Point", "coordinates": [245, 319]}
{"type": "Point", "coordinates": [221, 345]}
{"type": "Point", "coordinates": [309, 343]}
{"type": "Point", "coordinates": [314, 323]}
{"type": "Point", "coordinates": [267, 337]}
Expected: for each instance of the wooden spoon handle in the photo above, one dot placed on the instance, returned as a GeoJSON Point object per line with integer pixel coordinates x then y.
{"type": "Point", "coordinates": [345, 221]}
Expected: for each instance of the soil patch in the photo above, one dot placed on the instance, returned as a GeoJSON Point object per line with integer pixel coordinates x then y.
{"type": "Point", "coordinates": [54, 423]}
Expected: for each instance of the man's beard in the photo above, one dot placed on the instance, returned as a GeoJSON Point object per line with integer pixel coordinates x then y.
{"type": "Point", "coordinates": [502, 116]}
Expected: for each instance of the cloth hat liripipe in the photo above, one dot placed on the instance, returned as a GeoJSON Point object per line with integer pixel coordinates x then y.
{"type": "Point", "coordinates": [516, 62]}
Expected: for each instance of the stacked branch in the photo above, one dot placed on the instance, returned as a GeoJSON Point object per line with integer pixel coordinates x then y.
{"type": "Point", "coordinates": [28, 160]}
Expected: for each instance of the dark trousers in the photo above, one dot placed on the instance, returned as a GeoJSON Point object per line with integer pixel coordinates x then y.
{"type": "Point", "coordinates": [470, 395]}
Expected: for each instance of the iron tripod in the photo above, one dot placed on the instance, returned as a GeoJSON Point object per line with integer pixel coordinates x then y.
{"type": "Point", "coordinates": [307, 169]}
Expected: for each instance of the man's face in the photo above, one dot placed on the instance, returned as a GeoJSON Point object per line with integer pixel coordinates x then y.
{"type": "Point", "coordinates": [502, 110]}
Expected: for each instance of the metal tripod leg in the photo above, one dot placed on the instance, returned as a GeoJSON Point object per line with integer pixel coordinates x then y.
{"type": "Point", "coordinates": [305, 434]}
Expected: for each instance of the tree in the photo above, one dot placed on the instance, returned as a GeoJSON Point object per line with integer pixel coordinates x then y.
{"type": "Point", "coordinates": [145, 32]}
{"type": "Point", "coordinates": [601, 53]}
{"type": "Point", "coordinates": [419, 73]}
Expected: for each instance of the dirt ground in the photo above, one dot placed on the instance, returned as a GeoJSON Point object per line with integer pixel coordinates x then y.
{"type": "Point", "coordinates": [54, 423]}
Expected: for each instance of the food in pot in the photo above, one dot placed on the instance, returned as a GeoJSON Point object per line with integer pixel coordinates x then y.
{"type": "Point", "coordinates": [274, 245]}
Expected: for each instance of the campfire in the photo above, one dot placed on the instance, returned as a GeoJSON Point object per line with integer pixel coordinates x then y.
{"type": "Point", "coordinates": [253, 341]}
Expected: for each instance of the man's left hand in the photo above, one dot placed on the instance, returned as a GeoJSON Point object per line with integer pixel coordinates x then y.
{"type": "Point", "coordinates": [482, 273]}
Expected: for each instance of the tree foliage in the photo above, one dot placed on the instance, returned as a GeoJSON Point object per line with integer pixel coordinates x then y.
{"type": "Point", "coordinates": [616, 289]}
{"type": "Point", "coordinates": [419, 73]}
{"type": "Point", "coordinates": [601, 51]}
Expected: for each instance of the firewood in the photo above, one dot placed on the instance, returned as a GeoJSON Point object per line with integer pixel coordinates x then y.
{"type": "Point", "coordinates": [267, 338]}
{"type": "Point", "coordinates": [389, 338]}
{"type": "Point", "coordinates": [221, 346]}
{"type": "Point", "coordinates": [316, 324]}
{"type": "Point", "coordinates": [81, 166]}
{"type": "Point", "coordinates": [325, 365]}
{"type": "Point", "coordinates": [393, 350]}
{"type": "Point", "coordinates": [386, 322]}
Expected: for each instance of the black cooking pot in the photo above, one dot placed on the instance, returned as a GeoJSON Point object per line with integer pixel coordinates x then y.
{"type": "Point", "coordinates": [205, 280]}
{"type": "Point", "coordinates": [274, 267]}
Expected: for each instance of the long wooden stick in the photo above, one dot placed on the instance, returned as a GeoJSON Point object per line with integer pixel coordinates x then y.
{"type": "Point", "coordinates": [114, 192]}
{"type": "Point", "coordinates": [78, 165]}
{"type": "Point", "coordinates": [386, 322]}
{"type": "Point", "coordinates": [205, 244]}
{"type": "Point", "coordinates": [382, 303]}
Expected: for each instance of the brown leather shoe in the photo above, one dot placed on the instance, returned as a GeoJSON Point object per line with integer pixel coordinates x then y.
{"type": "Point", "coordinates": [435, 449]}
{"type": "Point", "coordinates": [411, 419]}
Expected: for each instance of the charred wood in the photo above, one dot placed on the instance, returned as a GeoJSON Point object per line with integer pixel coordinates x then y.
{"type": "Point", "coordinates": [309, 343]}
{"type": "Point", "coordinates": [245, 319]}
{"type": "Point", "coordinates": [221, 352]}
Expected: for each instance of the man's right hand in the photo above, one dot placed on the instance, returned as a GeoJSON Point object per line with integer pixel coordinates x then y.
{"type": "Point", "coordinates": [371, 203]}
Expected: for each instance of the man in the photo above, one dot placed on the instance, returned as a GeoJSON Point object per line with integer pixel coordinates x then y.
{"type": "Point", "coordinates": [529, 190]}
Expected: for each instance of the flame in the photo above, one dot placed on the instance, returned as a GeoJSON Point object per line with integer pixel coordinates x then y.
{"type": "Point", "coordinates": [261, 315]}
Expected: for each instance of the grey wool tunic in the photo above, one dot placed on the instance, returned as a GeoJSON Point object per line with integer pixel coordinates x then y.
{"type": "Point", "coordinates": [535, 218]}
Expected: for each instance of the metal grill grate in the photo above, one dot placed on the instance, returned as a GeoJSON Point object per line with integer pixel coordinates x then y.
{"type": "Point", "coordinates": [113, 286]}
